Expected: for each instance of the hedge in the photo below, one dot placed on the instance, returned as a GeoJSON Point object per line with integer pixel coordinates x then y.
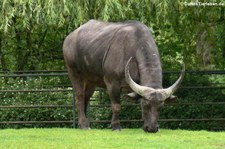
{"type": "Point", "coordinates": [129, 112]}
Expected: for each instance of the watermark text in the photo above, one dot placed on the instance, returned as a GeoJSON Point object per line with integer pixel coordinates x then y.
{"type": "Point", "coordinates": [204, 4]}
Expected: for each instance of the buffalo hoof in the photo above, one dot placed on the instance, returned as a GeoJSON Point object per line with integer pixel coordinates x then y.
{"type": "Point", "coordinates": [151, 130]}
{"type": "Point", "coordinates": [85, 128]}
{"type": "Point", "coordinates": [116, 128]}
{"type": "Point", "coordinates": [84, 124]}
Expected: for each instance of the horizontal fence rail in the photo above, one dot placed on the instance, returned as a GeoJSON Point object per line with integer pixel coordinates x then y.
{"type": "Point", "coordinates": [36, 90]}
{"type": "Point", "coordinates": [108, 105]}
{"type": "Point", "coordinates": [109, 121]}
{"type": "Point", "coordinates": [206, 72]}
{"type": "Point", "coordinates": [68, 89]}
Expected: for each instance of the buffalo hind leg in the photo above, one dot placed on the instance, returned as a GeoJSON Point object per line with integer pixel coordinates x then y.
{"type": "Point", "coordinates": [81, 103]}
{"type": "Point", "coordinates": [79, 87]}
{"type": "Point", "coordinates": [114, 94]}
{"type": "Point", "coordinates": [89, 90]}
{"type": "Point", "coordinates": [83, 100]}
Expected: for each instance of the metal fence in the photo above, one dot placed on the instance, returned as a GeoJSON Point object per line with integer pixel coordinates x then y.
{"type": "Point", "coordinates": [218, 83]}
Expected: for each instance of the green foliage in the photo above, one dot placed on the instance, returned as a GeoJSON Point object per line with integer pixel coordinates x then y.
{"type": "Point", "coordinates": [100, 108]}
{"type": "Point", "coordinates": [197, 88]}
{"type": "Point", "coordinates": [34, 99]}
{"type": "Point", "coordinates": [35, 29]}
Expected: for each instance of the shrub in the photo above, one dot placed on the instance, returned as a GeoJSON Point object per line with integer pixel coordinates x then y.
{"type": "Point", "coordinates": [186, 94]}
{"type": "Point", "coordinates": [34, 98]}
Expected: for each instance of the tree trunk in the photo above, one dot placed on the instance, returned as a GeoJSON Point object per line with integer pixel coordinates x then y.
{"type": "Point", "coordinates": [21, 52]}
{"type": "Point", "coordinates": [2, 55]}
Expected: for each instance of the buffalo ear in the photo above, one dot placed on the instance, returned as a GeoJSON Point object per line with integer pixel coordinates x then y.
{"type": "Point", "coordinates": [132, 97]}
{"type": "Point", "coordinates": [172, 98]}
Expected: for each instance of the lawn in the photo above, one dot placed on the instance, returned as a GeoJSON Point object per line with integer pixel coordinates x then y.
{"type": "Point", "coordinates": [60, 138]}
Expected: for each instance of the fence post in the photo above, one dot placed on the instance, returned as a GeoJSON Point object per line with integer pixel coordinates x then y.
{"type": "Point", "coordinates": [74, 110]}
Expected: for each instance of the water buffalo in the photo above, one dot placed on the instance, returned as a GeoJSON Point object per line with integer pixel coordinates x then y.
{"type": "Point", "coordinates": [116, 56]}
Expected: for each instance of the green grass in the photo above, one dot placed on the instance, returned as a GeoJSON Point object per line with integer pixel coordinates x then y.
{"type": "Point", "coordinates": [106, 139]}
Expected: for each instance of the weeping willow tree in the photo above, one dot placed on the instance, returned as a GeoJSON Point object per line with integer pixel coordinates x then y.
{"type": "Point", "coordinates": [32, 31]}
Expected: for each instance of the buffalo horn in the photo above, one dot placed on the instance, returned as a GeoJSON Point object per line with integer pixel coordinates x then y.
{"type": "Point", "coordinates": [141, 90]}
{"type": "Point", "coordinates": [170, 90]}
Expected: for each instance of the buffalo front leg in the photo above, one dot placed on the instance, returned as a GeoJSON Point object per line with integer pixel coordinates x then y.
{"type": "Point", "coordinates": [114, 94]}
